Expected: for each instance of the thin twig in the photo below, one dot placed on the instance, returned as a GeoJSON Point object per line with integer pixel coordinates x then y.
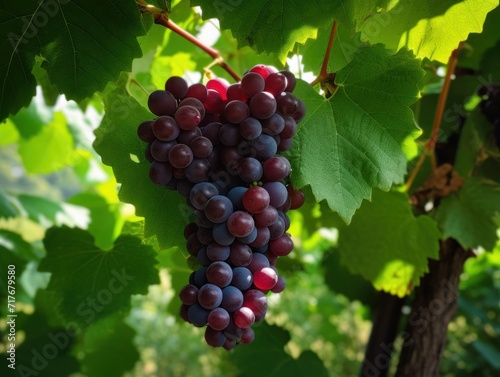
{"type": "Point", "coordinates": [164, 21]}
{"type": "Point", "coordinates": [323, 74]}
{"type": "Point", "coordinates": [438, 117]}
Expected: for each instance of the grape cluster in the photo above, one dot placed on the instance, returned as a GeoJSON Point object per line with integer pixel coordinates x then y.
{"type": "Point", "coordinates": [217, 145]}
{"type": "Point", "coordinates": [490, 107]}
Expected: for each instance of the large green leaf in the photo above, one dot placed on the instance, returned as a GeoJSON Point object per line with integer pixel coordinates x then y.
{"type": "Point", "coordinates": [91, 283]}
{"type": "Point", "coordinates": [468, 214]}
{"type": "Point", "coordinates": [432, 29]}
{"type": "Point", "coordinates": [353, 142]}
{"type": "Point", "coordinates": [84, 44]}
{"type": "Point", "coordinates": [273, 26]}
{"type": "Point", "coordinates": [109, 348]}
{"type": "Point", "coordinates": [272, 360]}
{"type": "Point", "coordinates": [117, 143]}
{"type": "Point", "coordinates": [387, 244]}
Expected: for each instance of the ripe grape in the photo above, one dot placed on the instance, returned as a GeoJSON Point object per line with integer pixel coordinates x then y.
{"type": "Point", "coordinates": [217, 145]}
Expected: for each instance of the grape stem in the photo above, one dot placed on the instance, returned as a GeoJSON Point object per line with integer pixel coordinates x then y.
{"type": "Point", "coordinates": [162, 19]}
{"type": "Point", "coordinates": [438, 117]}
{"type": "Point", "coordinates": [323, 74]}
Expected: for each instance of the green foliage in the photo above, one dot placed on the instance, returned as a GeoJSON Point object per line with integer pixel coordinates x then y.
{"type": "Point", "coordinates": [392, 253]}
{"type": "Point", "coordinates": [268, 348]}
{"type": "Point", "coordinates": [335, 146]}
{"type": "Point", "coordinates": [69, 38]}
{"type": "Point", "coordinates": [118, 144]}
{"type": "Point", "coordinates": [75, 245]}
{"type": "Point", "coordinates": [91, 283]}
{"type": "Point", "coordinates": [420, 26]}
{"type": "Point", "coordinates": [288, 23]}
{"type": "Point", "coordinates": [467, 215]}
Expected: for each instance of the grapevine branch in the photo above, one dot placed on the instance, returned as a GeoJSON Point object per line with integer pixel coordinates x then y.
{"type": "Point", "coordinates": [323, 74]}
{"type": "Point", "coordinates": [438, 117]}
{"type": "Point", "coordinates": [161, 19]}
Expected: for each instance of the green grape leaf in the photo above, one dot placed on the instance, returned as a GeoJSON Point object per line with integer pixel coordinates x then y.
{"type": "Point", "coordinates": [106, 218]}
{"type": "Point", "coordinates": [340, 280]}
{"type": "Point", "coordinates": [268, 348]}
{"type": "Point", "coordinates": [270, 26]}
{"type": "Point", "coordinates": [84, 44]}
{"type": "Point", "coordinates": [387, 244]}
{"type": "Point", "coordinates": [49, 150]}
{"type": "Point", "coordinates": [109, 348]}
{"type": "Point", "coordinates": [91, 283]}
{"type": "Point", "coordinates": [467, 215]}
{"type": "Point", "coordinates": [116, 141]}
{"type": "Point", "coordinates": [421, 25]}
{"type": "Point", "coordinates": [47, 350]}
{"type": "Point", "coordinates": [353, 142]}
{"type": "Point", "coordinates": [8, 206]}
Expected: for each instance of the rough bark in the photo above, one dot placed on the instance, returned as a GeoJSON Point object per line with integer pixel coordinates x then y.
{"type": "Point", "coordinates": [378, 353]}
{"type": "Point", "coordinates": [433, 309]}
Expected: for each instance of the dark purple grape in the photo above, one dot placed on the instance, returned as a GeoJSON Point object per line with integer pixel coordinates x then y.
{"type": "Point", "coordinates": [177, 86]}
{"type": "Point", "coordinates": [147, 153]}
{"type": "Point", "coordinates": [287, 104]}
{"type": "Point", "coordinates": [186, 137]}
{"type": "Point", "coordinates": [241, 254]}
{"type": "Point", "coordinates": [255, 300]}
{"type": "Point", "coordinates": [204, 235]}
{"type": "Point", "coordinates": [273, 125]}
{"type": "Point", "coordinates": [160, 149]}
{"type": "Point", "coordinates": [209, 296]}
{"type": "Point", "coordinates": [277, 193]}
{"type": "Point", "coordinates": [234, 92]}
{"type": "Point", "coordinates": [198, 315]}
{"type": "Point", "coordinates": [222, 235]}
{"type": "Point", "coordinates": [189, 229]}
{"type": "Point", "coordinates": [235, 195]}
{"type": "Point", "coordinates": [277, 229]}
{"type": "Point", "coordinates": [281, 246]}
{"type": "Point", "coordinates": [259, 261]}
{"type": "Point", "coordinates": [200, 277]}
{"type": "Point", "coordinates": [218, 209]}
{"type": "Point", "coordinates": [180, 156]}
{"type": "Point", "coordinates": [263, 105]}
{"type": "Point", "coordinates": [214, 338]}
{"type": "Point", "coordinates": [161, 103]}
{"type": "Point", "coordinates": [267, 217]}
{"type": "Point", "coordinates": [220, 274]}
{"type": "Point", "coordinates": [236, 111]}
{"type": "Point", "coordinates": [276, 83]}
{"type": "Point", "coordinates": [189, 294]}
{"type": "Point", "coordinates": [229, 134]}
{"type": "Point", "coordinates": [196, 103]}
{"type": "Point", "coordinates": [300, 113]}
{"type": "Point", "coordinates": [198, 91]}
{"type": "Point", "coordinates": [251, 84]}
{"type": "Point", "coordinates": [290, 128]}
{"type": "Point", "coordinates": [202, 257]}
{"type": "Point", "coordinates": [201, 193]}
{"type": "Point", "coordinates": [218, 319]}
{"type": "Point", "coordinates": [211, 132]}
{"type": "Point", "coordinates": [297, 197]}
{"type": "Point", "coordinates": [249, 238]}
{"type": "Point", "coordinates": [187, 117]}
{"type": "Point", "coordinates": [165, 128]}
{"type": "Point", "coordinates": [276, 168]}
{"type": "Point", "coordinates": [291, 81]}
{"type": "Point", "coordinates": [232, 298]}
{"type": "Point", "coordinates": [262, 238]}
{"type": "Point", "coordinates": [201, 146]}
{"type": "Point", "coordinates": [248, 335]}
{"type": "Point", "coordinates": [198, 170]}
{"type": "Point", "coordinates": [145, 131]}
{"type": "Point", "coordinates": [280, 285]}
{"type": "Point", "coordinates": [193, 245]}
{"type": "Point", "coordinates": [250, 170]}
{"type": "Point", "coordinates": [250, 128]}
{"type": "Point", "coordinates": [285, 144]}
{"type": "Point", "coordinates": [255, 199]}
{"type": "Point", "coordinates": [242, 278]}
{"type": "Point", "coordinates": [240, 224]}
{"type": "Point", "coordinates": [160, 173]}
{"type": "Point", "coordinates": [216, 252]}
{"type": "Point", "coordinates": [264, 147]}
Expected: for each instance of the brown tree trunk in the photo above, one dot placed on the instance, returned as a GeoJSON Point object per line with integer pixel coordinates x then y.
{"type": "Point", "coordinates": [433, 309]}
